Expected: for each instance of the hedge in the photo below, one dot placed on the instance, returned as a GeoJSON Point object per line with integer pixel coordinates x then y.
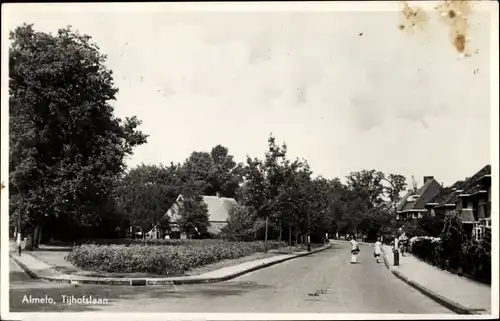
{"type": "Point", "coordinates": [474, 257]}
{"type": "Point", "coordinates": [425, 248]}
{"type": "Point", "coordinates": [476, 260]}
{"type": "Point", "coordinates": [128, 241]}
{"type": "Point", "coordinates": [173, 258]}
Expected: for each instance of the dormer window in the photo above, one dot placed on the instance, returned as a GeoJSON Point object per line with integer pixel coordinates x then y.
{"type": "Point", "coordinates": [414, 198]}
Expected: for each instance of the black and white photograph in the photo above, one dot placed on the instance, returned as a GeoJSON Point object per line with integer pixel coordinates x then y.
{"type": "Point", "coordinates": [249, 160]}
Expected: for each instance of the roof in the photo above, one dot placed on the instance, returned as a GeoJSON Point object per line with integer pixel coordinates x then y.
{"type": "Point", "coordinates": [218, 208]}
{"type": "Point", "coordinates": [425, 193]}
{"type": "Point", "coordinates": [402, 203]}
{"type": "Point", "coordinates": [469, 186]}
{"type": "Point", "coordinates": [446, 193]}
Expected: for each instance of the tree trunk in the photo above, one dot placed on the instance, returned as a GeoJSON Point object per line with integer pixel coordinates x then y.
{"type": "Point", "coordinates": [281, 230]}
{"type": "Point", "coordinates": [38, 240]}
{"type": "Point", "coordinates": [36, 235]}
{"type": "Point", "coordinates": [289, 234]}
{"type": "Point", "coordinates": [265, 237]}
{"type": "Point", "coordinates": [29, 241]}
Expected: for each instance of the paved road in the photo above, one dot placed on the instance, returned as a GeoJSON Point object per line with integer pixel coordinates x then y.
{"type": "Point", "coordinates": [323, 282]}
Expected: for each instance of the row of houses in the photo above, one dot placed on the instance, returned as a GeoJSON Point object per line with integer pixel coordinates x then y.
{"type": "Point", "coordinates": [469, 198]}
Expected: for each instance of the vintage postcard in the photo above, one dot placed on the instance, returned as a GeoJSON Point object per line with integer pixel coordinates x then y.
{"type": "Point", "coordinates": [249, 160]}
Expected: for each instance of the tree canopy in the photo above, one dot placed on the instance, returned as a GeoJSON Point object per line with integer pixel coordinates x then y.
{"type": "Point", "coordinates": [66, 146]}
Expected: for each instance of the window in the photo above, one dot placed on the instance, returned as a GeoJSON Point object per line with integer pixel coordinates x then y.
{"type": "Point", "coordinates": [478, 233]}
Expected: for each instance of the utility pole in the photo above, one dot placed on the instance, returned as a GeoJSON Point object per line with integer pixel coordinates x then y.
{"type": "Point", "coordinates": [265, 236]}
{"type": "Point", "coordinates": [308, 233]}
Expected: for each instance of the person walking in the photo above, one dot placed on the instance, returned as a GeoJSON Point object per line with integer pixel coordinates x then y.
{"type": "Point", "coordinates": [354, 250]}
{"type": "Point", "coordinates": [378, 250]}
{"type": "Point", "coordinates": [403, 243]}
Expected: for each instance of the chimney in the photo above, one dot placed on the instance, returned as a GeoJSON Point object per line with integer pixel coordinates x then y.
{"type": "Point", "coordinates": [427, 178]}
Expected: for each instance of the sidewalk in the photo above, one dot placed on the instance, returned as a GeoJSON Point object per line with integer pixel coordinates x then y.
{"type": "Point", "coordinates": [41, 270]}
{"type": "Point", "coordinates": [458, 294]}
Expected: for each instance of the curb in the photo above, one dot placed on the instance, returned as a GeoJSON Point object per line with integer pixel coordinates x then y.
{"type": "Point", "coordinates": [451, 305]}
{"type": "Point", "coordinates": [152, 282]}
{"type": "Point", "coordinates": [31, 274]}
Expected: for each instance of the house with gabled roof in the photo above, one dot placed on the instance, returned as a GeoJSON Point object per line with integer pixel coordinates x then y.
{"type": "Point", "coordinates": [413, 204]}
{"type": "Point", "coordinates": [218, 214]}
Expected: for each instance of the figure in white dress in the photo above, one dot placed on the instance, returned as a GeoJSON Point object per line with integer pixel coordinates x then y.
{"type": "Point", "coordinates": [378, 250]}
{"type": "Point", "coordinates": [354, 250]}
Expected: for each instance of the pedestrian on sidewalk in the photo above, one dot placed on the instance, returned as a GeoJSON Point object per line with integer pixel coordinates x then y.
{"type": "Point", "coordinates": [354, 249]}
{"type": "Point", "coordinates": [18, 243]}
{"type": "Point", "coordinates": [378, 250]}
{"type": "Point", "coordinates": [403, 243]}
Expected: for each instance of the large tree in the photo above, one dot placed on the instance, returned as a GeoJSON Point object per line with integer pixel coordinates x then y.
{"type": "Point", "coordinates": [397, 184]}
{"type": "Point", "coordinates": [242, 224]}
{"type": "Point", "coordinates": [366, 202]}
{"type": "Point", "coordinates": [145, 193]}
{"type": "Point", "coordinates": [214, 172]}
{"type": "Point", "coordinates": [225, 175]}
{"type": "Point", "coordinates": [193, 212]}
{"type": "Point", "coordinates": [263, 182]}
{"type": "Point", "coordinates": [66, 146]}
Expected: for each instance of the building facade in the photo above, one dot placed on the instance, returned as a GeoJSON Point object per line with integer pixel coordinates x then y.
{"type": "Point", "coordinates": [470, 199]}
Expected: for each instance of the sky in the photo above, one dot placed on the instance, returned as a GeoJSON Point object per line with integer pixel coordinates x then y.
{"type": "Point", "coordinates": [346, 89]}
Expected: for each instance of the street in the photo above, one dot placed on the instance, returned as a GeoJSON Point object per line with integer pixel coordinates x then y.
{"type": "Point", "coordinates": [323, 282]}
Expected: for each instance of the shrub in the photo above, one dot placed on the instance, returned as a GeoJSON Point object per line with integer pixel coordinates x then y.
{"type": "Point", "coordinates": [476, 260]}
{"type": "Point", "coordinates": [473, 259]}
{"type": "Point", "coordinates": [173, 258]}
{"type": "Point", "coordinates": [425, 248]}
{"type": "Point", "coordinates": [452, 237]}
{"type": "Point", "coordinates": [430, 225]}
{"type": "Point", "coordinates": [242, 224]}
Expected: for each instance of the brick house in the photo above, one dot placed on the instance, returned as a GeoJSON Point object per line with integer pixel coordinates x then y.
{"type": "Point", "coordinates": [413, 204]}
{"type": "Point", "coordinates": [471, 199]}
{"type": "Point", "coordinates": [474, 203]}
